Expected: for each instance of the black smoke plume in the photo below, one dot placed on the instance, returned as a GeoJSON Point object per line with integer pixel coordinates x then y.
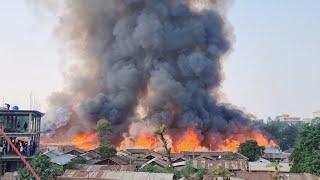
{"type": "Point", "coordinates": [142, 63]}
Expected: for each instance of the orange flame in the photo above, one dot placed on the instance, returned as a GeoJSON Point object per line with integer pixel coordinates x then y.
{"type": "Point", "coordinates": [189, 142]}
{"type": "Point", "coordinates": [192, 141]}
{"type": "Point", "coordinates": [146, 141]}
{"type": "Point", "coordinates": [85, 141]}
{"type": "Point", "coordinates": [233, 142]}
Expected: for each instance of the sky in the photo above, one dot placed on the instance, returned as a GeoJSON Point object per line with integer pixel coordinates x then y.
{"type": "Point", "coordinates": [272, 69]}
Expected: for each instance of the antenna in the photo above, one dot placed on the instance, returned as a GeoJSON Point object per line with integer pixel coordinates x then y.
{"type": "Point", "coordinates": [31, 101]}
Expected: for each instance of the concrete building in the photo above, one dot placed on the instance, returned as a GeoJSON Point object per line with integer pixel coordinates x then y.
{"type": "Point", "coordinates": [23, 129]}
{"type": "Point", "coordinates": [316, 114]}
{"type": "Point", "coordinates": [289, 119]}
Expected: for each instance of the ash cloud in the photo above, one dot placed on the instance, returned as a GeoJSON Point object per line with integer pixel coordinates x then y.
{"type": "Point", "coordinates": [160, 55]}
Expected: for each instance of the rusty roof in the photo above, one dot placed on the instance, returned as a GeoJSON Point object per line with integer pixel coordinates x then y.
{"type": "Point", "coordinates": [210, 164]}
{"type": "Point", "coordinates": [120, 160]}
{"type": "Point", "coordinates": [268, 176]}
{"type": "Point", "coordinates": [156, 161]}
{"type": "Point", "coordinates": [112, 175]}
{"type": "Point", "coordinates": [86, 167]}
{"type": "Point", "coordinates": [261, 166]}
{"type": "Point", "coordinates": [68, 149]}
{"type": "Point", "coordinates": [210, 153]}
{"type": "Point", "coordinates": [139, 151]}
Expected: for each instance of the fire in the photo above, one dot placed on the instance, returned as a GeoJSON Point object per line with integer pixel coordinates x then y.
{"type": "Point", "coordinates": [144, 140]}
{"type": "Point", "coordinates": [192, 141]}
{"type": "Point", "coordinates": [84, 141]}
{"type": "Point", "coordinates": [147, 141]}
{"type": "Point", "coordinates": [233, 142]}
{"type": "Point", "coordinates": [189, 142]}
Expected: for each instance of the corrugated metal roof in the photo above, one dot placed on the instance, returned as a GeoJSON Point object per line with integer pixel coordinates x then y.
{"type": "Point", "coordinates": [86, 167]}
{"type": "Point", "coordinates": [157, 161]}
{"type": "Point", "coordinates": [120, 160]}
{"type": "Point", "coordinates": [90, 155]}
{"type": "Point", "coordinates": [68, 149]}
{"type": "Point", "coordinates": [231, 165]}
{"type": "Point", "coordinates": [211, 153]}
{"type": "Point", "coordinates": [52, 153]}
{"type": "Point", "coordinates": [268, 176]}
{"type": "Point", "coordinates": [276, 155]}
{"type": "Point", "coordinates": [97, 175]}
{"type": "Point", "coordinates": [139, 151]}
{"type": "Point", "coordinates": [260, 166]}
{"type": "Point", "coordinates": [62, 159]}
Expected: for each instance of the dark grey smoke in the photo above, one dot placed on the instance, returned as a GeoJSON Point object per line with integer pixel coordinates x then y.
{"type": "Point", "coordinates": [160, 55]}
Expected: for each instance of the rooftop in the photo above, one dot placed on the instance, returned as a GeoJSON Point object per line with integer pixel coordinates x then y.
{"type": "Point", "coordinates": [77, 174]}
{"type": "Point", "coordinates": [20, 112]}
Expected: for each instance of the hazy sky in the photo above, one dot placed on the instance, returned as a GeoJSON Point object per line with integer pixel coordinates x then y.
{"type": "Point", "coordinates": [274, 67]}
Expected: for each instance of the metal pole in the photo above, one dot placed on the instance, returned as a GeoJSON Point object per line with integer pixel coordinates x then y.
{"type": "Point", "coordinates": [29, 167]}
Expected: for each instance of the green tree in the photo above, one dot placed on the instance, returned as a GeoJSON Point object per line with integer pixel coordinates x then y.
{"type": "Point", "coordinates": [306, 154]}
{"type": "Point", "coordinates": [285, 134]}
{"type": "Point", "coordinates": [43, 167]}
{"type": "Point", "coordinates": [224, 173]}
{"type": "Point", "coordinates": [201, 172]}
{"type": "Point", "coordinates": [251, 149]}
{"type": "Point", "coordinates": [104, 132]}
{"type": "Point", "coordinates": [157, 169]}
{"type": "Point", "coordinates": [227, 156]}
{"type": "Point", "coordinates": [160, 132]}
{"type": "Point", "coordinates": [188, 170]}
{"type": "Point", "coordinates": [72, 164]}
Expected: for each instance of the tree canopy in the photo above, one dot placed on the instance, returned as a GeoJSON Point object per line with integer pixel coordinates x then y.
{"type": "Point", "coordinates": [285, 134]}
{"type": "Point", "coordinates": [251, 150]}
{"type": "Point", "coordinates": [104, 132]}
{"type": "Point", "coordinates": [43, 167]}
{"type": "Point", "coordinates": [306, 154]}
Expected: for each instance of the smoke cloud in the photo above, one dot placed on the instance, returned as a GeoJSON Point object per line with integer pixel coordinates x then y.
{"type": "Point", "coordinates": [142, 63]}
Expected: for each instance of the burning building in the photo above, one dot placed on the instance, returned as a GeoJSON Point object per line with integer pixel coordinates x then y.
{"type": "Point", "coordinates": [143, 63]}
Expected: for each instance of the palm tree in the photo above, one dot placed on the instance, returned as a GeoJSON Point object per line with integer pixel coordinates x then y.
{"type": "Point", "coordinates": [276, 174]}
{"type": "Point", "coordinates": [160, 132]}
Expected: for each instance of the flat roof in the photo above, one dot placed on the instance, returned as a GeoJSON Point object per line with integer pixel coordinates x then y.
{"type": "Point", "coordinates": [14, 112]}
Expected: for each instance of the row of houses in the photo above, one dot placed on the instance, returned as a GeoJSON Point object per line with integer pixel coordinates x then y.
{"type": "Point", "coordinates": [128, 162]}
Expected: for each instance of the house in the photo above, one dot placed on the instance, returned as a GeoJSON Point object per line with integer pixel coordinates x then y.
{"type": "Point", "coordinates": [137, 153]}
{"type": "Point", "coordinates": [114, 160]}
{"type": "Point", "coordinates": [205, 158]}
{"type": "Point", "coordinates": [62, 159]}
{"type": "Point", "coordinates": [268, 176]}
{"type": "Point", "coordinates": [91, 156]}
{"type": "Point", "coordinates": [262, 160]}
{"type": "Point", "coordinates": [281, 157]}
{"type": "Point", "coordinates": [156, 162]}
{"type": "Point", "coordinates": [72, 150]}
{"type": "Point", "coordinates": [87, 167]}
{"type": "Point", "coordinates": [231, 165]}
{"type": "Point", "coordinates": [52, 153]}
{"type": "Point", "coordinates": [178, 158]}
{"type": "Point", "coordinates": [119, 175]}
{"type": "Point", "coordinates": [266, 167]}
{"type": "Point", "coordinates": [152, 155]}
{"type": "Point", "coordinates": [272, 150]}
{"type": "Point", "coordinates": [193, 155]}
